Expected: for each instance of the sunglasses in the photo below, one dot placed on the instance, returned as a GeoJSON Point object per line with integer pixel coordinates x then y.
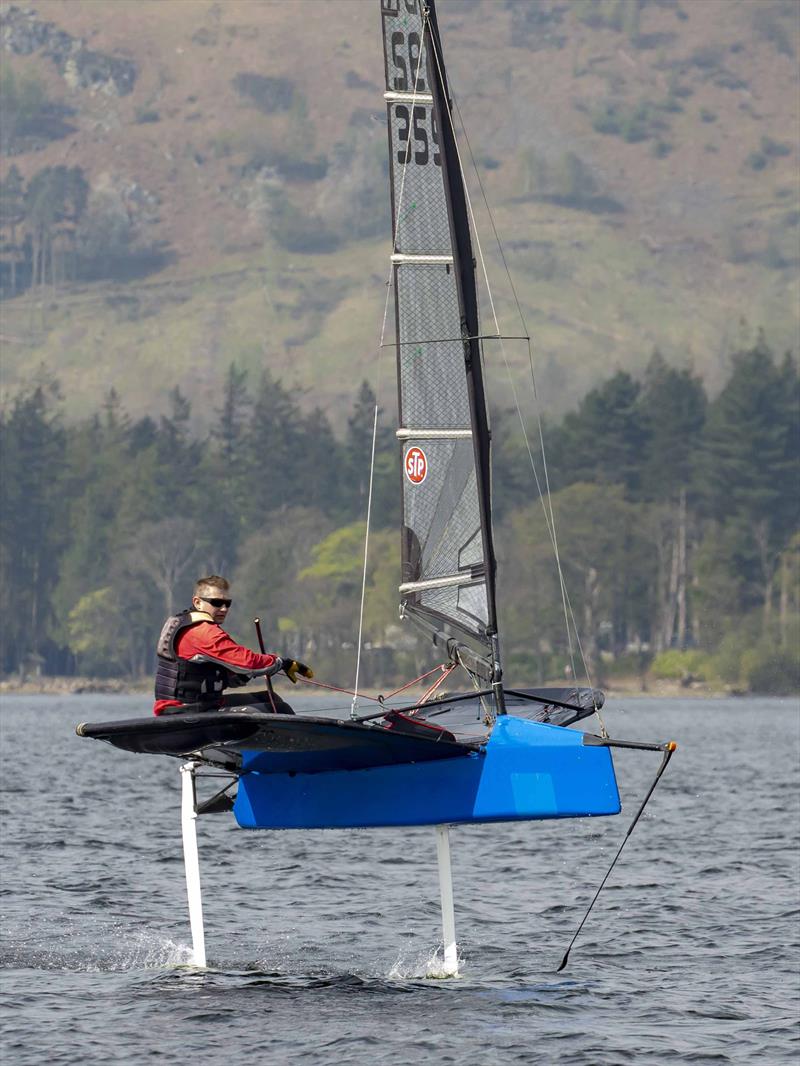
{"type": "Point", "coordinates": [216, 602]}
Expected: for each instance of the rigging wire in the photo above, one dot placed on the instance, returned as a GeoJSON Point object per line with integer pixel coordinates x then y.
{"type": "Point", "coordinates": [668, 750]}
{"type": "Point", "coordinates": [446, 669]}
{"type": "Point", "coordinates": [354, 706]}
{"type": "Point", "coordinates": [377, 699]}
{"type": "Point", "coordinates": [546, 495]}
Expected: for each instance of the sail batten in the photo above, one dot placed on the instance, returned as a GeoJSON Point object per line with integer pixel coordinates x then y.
{"type": "Point", "coordinates": [433, 434]}
{"type": "Point", "coordinates": [438, 259]}
{"type": "Point", "coordinates": [398, 97]}
{"type": "Point", "coordinates": [441, 582]}
{"type": "Point", "coordinates": [447, 554]}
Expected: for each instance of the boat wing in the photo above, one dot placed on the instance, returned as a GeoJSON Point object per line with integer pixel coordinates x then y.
{"type": "Point", "coordinates": [270, 743]}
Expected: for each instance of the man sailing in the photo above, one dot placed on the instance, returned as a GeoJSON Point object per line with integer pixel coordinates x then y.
{"type": "Point", "coordinates": [197, 660]}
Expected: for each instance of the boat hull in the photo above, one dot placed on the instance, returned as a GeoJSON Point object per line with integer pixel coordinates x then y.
{"type": "Point", "coordinates": [526, 771]}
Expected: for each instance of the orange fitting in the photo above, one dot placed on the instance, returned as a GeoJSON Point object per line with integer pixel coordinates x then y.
{"type": "Point", "coordinates": [672, 746]}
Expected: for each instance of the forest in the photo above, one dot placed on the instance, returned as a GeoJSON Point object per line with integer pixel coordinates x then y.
{"type": "Point", "coordinates": [677, 518]}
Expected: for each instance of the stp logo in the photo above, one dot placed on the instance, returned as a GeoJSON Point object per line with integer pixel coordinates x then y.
{"type": "Point", "coordinates": [416, 466]}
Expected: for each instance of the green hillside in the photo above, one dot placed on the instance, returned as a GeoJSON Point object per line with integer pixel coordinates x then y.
{"type": "Point", "coordinates": [640, 158]}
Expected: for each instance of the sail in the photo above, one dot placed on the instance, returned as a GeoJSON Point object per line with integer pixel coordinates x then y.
{"type": "Point", "coordinates": [447, 555]}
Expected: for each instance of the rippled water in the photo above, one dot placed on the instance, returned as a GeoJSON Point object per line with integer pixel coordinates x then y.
{"type": "Point", "coordinates": [320, 942]}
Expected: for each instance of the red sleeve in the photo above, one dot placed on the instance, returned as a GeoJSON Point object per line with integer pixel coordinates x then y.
{"type": "Point", "coordinates": [161, 705]}
{"type": "Point", "coordinates": [212, 643]}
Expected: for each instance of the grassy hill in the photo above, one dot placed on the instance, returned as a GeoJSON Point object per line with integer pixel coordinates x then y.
{"type": "Point", "coordinates": [640, 158]}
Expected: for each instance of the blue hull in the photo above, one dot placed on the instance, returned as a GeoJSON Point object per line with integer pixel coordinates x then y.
{"type": "Point", "coordinates": [527, 770]}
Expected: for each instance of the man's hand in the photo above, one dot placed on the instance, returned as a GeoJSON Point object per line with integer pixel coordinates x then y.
{"type": "Point", "coordinates": [291, 667]}
{"type": "Point", "coordinates": [237, 680]}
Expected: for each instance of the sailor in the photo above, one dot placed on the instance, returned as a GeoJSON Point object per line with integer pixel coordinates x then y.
{"type": "Point", "coordinates": [197, 660]}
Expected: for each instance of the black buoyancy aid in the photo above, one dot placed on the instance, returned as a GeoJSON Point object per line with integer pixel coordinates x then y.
{"type": "Point", "coordinates": [183, 679]}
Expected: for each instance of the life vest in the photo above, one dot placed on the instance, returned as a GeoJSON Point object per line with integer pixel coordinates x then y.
{"type": "Point", "coordinates": [183, 679]}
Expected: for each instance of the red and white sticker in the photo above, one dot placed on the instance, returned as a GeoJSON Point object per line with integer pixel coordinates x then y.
{"type": "Point", "coordinates": [416, 466]}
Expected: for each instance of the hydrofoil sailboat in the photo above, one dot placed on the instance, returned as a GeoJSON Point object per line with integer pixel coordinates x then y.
{"type": "Point", "coordinates": [489, 754]}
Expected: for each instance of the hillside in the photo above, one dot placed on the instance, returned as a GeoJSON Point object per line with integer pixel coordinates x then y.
{"type": "Point", "coordinates": [640, 158]}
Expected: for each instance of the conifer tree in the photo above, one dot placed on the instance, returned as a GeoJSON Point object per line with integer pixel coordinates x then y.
{"type": "Point", "coordinates": [605, 439]}
{"type": "Point", "coordinates": [272, 450]}
{"type": "Point", "coordinates": [12, 213]}
{"type": "Point", "coordinates": [31, 530]}
{"type": "Point", "coordinates": [97, 464]}
{"type": "Point", "coordinates": [749, 466]}
{"type": "Point", "coordinates": [357, 455]}
{"type": "Point", "coordinates": [231, 413]}
{"type": "Point", "coordinates": [673, 405]}
{"type": "Point", "coordinates": [54, 196]}
{"type": "Point", "coordinates": [223, 472]}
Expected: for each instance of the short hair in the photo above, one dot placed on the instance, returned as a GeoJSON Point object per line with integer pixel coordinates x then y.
{"type": "Point", "coordinates": [213, 581]}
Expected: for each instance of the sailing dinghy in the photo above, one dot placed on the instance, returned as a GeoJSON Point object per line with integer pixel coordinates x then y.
{"type": "Point", "coordinates": [487, 755]}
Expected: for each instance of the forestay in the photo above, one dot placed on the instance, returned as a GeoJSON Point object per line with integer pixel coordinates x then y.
{"type": "Point", "coordinates": [447, 557]}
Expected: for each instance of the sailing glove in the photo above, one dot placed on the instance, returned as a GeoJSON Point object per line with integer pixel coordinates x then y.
{"type": "Point", "coordinates": [237, 680]}
{"type": "Point", "coordinates": [291, 667]}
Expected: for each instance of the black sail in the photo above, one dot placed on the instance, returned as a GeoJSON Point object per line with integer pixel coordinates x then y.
{"type": "Point", "coordinates": [448, 563]}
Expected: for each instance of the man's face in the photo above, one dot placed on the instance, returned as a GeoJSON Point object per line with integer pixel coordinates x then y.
{"type": "Point", "coordinates": [217, 604]}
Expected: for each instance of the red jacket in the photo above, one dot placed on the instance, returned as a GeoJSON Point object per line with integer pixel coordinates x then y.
{"type": "Point", "coordinates": [210, 642]}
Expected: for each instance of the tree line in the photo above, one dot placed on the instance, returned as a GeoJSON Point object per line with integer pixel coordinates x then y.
{"type": "Point", "coordinates": [678, 526]}
{"type": "Point", "coordinates": [676, 518]}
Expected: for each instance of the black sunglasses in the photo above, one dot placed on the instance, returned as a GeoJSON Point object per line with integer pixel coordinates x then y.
{"type": "Point", "coordinates": [216, 602]}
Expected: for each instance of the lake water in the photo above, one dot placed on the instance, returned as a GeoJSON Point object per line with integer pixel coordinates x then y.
{"type": "Point", "coordinates": [320, 942]}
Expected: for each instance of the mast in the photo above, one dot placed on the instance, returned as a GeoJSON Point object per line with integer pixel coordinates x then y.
{"type": "Point", "coordinates": [464, 262]}
{"type": "Point", "coordinates": [448, 583]}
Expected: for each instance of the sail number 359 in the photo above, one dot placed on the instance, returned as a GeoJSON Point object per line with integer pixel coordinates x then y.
{"type": "Point", "coordinates": [417, 123]}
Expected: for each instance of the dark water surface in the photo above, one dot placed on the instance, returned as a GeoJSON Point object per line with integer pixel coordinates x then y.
{"type": "Point", "coordinates": [320, 943]}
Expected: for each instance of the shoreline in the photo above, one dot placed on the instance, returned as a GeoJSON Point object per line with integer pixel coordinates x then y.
{"type": "Point", "coordinates": [651, 688]}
